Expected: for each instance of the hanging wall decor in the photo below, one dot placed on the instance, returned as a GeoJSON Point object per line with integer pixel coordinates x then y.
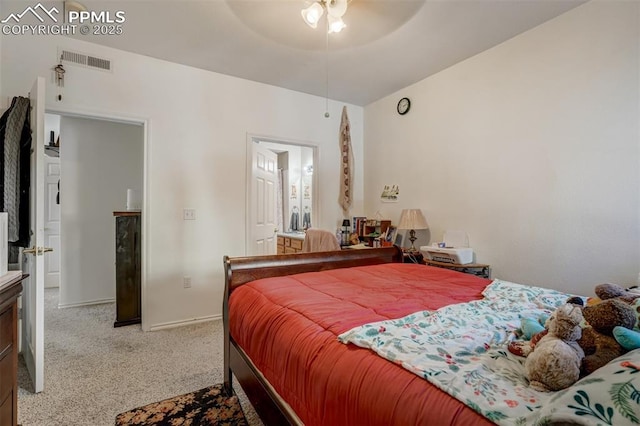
{"type": "Point", "coordinates": [59, 71]}
{"type": "Point", "coordinates": [346, 163]}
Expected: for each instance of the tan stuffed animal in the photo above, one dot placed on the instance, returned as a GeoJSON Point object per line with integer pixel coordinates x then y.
{"type": "Point", "coordinates": [555, 362]}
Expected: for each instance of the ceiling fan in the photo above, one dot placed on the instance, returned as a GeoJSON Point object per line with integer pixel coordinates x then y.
{"type": "Point", "coordinates": [335, 11]}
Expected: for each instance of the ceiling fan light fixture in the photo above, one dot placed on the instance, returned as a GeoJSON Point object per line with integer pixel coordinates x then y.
{"type": "Point", "coordinates": [336, 8]}
{"type": "Point", "coordinates": [312, 14]}
{"type": "Point", "coordinates": [335, 24]}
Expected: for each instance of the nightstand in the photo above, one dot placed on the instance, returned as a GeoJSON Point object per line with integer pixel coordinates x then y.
{"type": "Point", "coordinates": [479, 269]}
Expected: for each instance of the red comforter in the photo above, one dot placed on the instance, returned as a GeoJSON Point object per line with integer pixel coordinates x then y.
{"type": "Point", "coordinates": [289, 326]}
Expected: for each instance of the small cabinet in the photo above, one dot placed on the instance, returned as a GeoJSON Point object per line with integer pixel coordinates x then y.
{"type": "Point", "coordinates": [128, 268]}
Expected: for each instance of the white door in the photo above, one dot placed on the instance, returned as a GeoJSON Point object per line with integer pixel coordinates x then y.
{"type": "Point", "coordinates": [52, 221]}
{"type": "Point", "coordinates": [33, 258]}
{"type": "Point", "coordinates": [262, 209]}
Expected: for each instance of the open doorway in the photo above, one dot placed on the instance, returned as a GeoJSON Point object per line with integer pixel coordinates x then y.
{"type": "Point", "coordinates": [96, 158]}
{"type": "Point", "coordinates": [90, 166]}
{"type": "Point", "coordinates": [282, 191]}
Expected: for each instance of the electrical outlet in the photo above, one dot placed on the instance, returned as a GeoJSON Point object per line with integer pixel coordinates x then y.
{"type": "Point", "coordinates": [189, 214]}
{"type": "Point", "coordinates": [187, 282]}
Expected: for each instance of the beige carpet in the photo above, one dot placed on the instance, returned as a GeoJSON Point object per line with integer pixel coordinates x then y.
{"type": "Point", "coordinates": [94, 371]}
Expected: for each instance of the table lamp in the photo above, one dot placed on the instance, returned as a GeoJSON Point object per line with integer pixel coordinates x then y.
{"type": "Point", "coordinates": [412, 219]}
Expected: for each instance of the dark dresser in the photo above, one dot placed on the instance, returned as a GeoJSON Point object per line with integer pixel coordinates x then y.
{"type": "Point", "coordinates": [9, 292]}
{"type": "Point", "coordinates": [128, 272]}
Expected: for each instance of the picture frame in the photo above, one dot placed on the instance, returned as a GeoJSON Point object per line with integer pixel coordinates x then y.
{"type": "Point", "coordinates": [390, 194]}
{"type": "Point", "coordinates": [391, 234]}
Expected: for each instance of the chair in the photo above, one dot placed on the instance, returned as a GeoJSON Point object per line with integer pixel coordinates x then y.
{"type": "Point", "coordinates": [319, 240]}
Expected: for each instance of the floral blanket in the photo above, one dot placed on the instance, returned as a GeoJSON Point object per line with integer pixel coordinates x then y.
{"type": "Point", "coordinates": [462, 349]}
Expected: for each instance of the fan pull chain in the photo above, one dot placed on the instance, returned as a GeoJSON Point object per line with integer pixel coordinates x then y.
{"type": "Point", "coordinates": [326, 107]}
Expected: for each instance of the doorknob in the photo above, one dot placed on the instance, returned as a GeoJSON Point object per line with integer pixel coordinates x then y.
{"type": "Point", "coordinates": [37, 251]}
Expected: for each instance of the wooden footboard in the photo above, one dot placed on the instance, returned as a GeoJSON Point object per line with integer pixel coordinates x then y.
{"type": "Point", "coordinates": [241, 270]}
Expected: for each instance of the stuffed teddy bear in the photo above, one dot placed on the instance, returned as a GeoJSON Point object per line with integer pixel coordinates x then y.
{"type": "Point", "coordinates": [555, 361]}
{"type": "Point", "coordinates": [598, 341]}
{"type": "Point", "coordinates": [608, 291]}
{"type": "Point", "coordinates": [628, 338]}
{"type": "Point", "coordinates": [603, 314]}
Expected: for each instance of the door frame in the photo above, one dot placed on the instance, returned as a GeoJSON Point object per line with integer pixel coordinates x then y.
{"type": "Point", "coordinates": [145, 214]}
{"type": "Point", "coordinates": [251, 139]}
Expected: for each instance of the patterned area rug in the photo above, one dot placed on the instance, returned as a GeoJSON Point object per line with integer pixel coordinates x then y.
{"type": "Point", "coordinates": [208, 406]}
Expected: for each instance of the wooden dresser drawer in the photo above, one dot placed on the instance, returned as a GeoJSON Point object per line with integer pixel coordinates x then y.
{"type": "Point", "coordinates": [6, 411]}
{"type": "Point", "coordinates": [6, 329]}
{"type": "Point", "coordinates": [296, 244]}
{"type": "Point", "coordinates": [288, 245]}
{"type": "Point", "coordinates": [6, 375]}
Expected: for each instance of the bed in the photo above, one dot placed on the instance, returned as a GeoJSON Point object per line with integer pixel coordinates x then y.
{"type": "Point", "coordinates": [287, 321]}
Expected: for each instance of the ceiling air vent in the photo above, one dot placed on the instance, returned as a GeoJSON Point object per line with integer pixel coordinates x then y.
{"type": "Point", "coordinates": [85, 60]}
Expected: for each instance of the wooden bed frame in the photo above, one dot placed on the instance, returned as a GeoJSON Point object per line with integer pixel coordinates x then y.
{"type": "Point", "coordinates": [241, 270]}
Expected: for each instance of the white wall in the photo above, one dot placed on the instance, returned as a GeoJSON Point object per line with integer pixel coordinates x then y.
{"type": "Point", "coordinates": [99, 161]}
{"type": "Point", "coordinates": [198, 123]}
{"type": "Point", "coordinates": [532, 147]}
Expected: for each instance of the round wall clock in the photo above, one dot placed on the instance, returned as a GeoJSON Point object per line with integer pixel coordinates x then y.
{"type": "Point", "coordinates": [404, 105]}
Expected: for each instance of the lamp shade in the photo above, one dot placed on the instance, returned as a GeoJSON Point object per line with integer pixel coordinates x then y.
{"type": "Point", "coordinates": [346, 223]}
{"type": "Point", "coordinates": [412, 219]}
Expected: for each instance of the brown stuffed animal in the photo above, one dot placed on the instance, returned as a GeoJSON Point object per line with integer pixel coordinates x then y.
{"type": "Point", "coordinates": [597, 339]}
{"type": "Point", "coordinates": [608, 291]}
